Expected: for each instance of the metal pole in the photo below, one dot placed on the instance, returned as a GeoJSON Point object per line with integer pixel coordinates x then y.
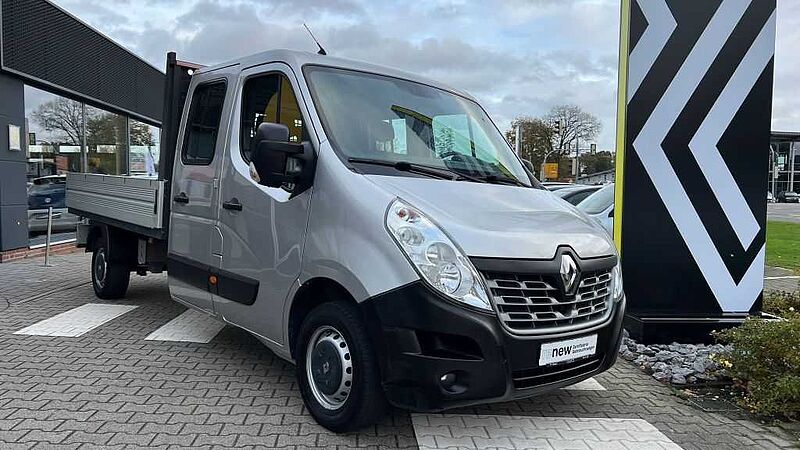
{"type": "Point", "coordinates": [127, 158]}
{"type": "Point", "coordinates": [47, 239]}
{"type": "Point", "coordinates": [774, 168]}
{"type": "Point", "coordinates": [518, 141]}
{"type": "Point", "coordinates": [84, 149]}
{"type": "Point", "coordinates": [544, 161]}
{"type": "Point", "coordinates": [771, 174]}
{"type": "Point", "coordinates": [541, 169]}
{"type": "Point", "coordinates": [792, 155]}
{"type": "Point", "coordinates": [577, 159]}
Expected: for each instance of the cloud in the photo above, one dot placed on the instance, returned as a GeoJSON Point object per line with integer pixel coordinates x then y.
{"type": "Point", "coordinates": [517, 57]}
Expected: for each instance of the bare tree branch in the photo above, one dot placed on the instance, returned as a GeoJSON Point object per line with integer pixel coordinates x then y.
{"type": "Point", "coordinates": [541, 136]}
{"type": "Point", "coordinates": [62, 116]}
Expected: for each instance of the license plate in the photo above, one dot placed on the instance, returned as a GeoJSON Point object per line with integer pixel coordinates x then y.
{"type": "Point", "coordinates": [569, 350]}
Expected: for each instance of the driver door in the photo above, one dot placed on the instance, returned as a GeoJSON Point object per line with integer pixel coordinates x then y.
{"type": "Point", "coordinates": [263, 230]}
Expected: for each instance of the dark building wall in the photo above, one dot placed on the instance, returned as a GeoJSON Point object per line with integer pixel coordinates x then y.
{"type": "Point", "coordinates": [13, 198]}
{"type": "Point", "coordinates": [53, 50]}
{"type": "Point", "coordinates": [46, 47]}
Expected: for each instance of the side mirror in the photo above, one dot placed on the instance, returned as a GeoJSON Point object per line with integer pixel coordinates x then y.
{"type": "Point", "coordinates": [281, 163]}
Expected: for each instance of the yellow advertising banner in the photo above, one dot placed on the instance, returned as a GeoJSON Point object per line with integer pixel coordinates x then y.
{"type": "Point", "coordinates": [551, 171]}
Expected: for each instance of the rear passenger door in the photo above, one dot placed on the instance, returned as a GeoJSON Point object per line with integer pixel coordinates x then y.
{"type": "Point", "coordinates": [195, 196]}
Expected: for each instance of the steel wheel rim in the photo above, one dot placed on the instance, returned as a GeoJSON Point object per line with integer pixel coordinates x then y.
{"type": "Point", "coordinates": [100, 268]}
{"type": "Point", "coordinates": [329, 365]}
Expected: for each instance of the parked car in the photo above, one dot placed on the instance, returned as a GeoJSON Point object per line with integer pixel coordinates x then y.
{"type": "Point", "coordinates": [600, 207]}
{"type": "Point", "coordinates": [324, 206]}
{"type": "Point", "coordinates": [770, 197]}
{"type": "Point", "coordinates": [44, 193]}
{"type": "Point", "coordinates": [49, 179]}
{"type": "Point", "coordinates": [788, 197]}
{"type": "Point", "coordinates": [576, 194]}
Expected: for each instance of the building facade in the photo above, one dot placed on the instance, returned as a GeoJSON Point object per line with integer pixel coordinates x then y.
{"type": "Point", "coordinates": [784, 168]}
{"type": "Point", "coordinates": [71, 100]}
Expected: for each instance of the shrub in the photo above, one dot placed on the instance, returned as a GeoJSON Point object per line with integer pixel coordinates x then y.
{"type": "Point", "coordinates": [765, 360]}
{"type": "Point", "coordinates": [782, 303]}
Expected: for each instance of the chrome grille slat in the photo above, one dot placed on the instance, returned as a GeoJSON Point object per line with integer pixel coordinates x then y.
{"type": "Point", "coordinates": [530, 304]}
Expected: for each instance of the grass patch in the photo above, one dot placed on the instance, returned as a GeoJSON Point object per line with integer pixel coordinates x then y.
{"type": "Point", "coordinates": [783, 245]}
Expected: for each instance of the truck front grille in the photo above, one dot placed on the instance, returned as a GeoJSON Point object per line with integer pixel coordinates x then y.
{"type": "Point", "coordinates": [533, 304]}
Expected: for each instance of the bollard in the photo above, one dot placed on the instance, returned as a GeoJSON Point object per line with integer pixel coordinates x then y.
{"type": "Point", "coordinates": [47, 239]}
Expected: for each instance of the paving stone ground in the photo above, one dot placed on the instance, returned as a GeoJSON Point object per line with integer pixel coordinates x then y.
{"type": "Point", "coordinates": [112, 388]}
{"type": "Point", "coordinates": [780, 279]}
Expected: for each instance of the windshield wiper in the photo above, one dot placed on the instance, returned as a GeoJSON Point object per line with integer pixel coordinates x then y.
{"type": "Point", "coordinates": [503, 179]}
{"type": "Point", "coordinates": [405, 166]}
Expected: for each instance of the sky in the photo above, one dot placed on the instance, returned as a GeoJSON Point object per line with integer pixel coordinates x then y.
{"type": "Point", "coordinates": [517, 57]}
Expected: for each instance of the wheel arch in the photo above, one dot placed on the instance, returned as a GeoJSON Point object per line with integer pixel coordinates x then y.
{"type": "Point", "coordinates": [309, 295]}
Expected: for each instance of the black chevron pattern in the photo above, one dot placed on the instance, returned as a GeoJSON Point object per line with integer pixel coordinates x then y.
{"type": "Point", "coordinates": [697, 130]}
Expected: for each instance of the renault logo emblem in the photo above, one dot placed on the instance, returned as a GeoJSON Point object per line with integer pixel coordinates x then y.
{"type": "Point", "coordinates": [569, 273]}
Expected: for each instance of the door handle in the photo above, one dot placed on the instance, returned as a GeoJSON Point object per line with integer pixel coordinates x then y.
{"type": "Point", "coordinates": [181, 198]}
{"type": "Point", "coordinates": [232, 204]}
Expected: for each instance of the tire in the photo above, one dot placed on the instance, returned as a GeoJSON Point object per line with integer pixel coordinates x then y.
{"type": "Point", "coordinates": [329, 324]}
{"type": "Point", "coordinates": [110, 280]}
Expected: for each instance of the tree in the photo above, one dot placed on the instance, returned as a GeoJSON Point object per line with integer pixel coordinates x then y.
{"type": "Point", "coordinates": [598, 162]}
{"type": "Point", "coordinates": [62, 116]}
{"type": "Point", "coordinates": [65, 117]}
{"type": "Point", "coordinates": [141, 134]}
{"type": "Point", "coordinates": [541, 136]}
{"type": "Point", "coordinates": [574, 124]}
{"type": "Point", "coordinates": [537, 139]}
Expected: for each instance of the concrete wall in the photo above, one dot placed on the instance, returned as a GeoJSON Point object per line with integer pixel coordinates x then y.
{"type": "Point", "coordinates": [13, 193]}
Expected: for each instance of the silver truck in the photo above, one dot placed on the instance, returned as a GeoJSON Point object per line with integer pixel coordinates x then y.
{"type": "Point", "coordinates": [369, 225]}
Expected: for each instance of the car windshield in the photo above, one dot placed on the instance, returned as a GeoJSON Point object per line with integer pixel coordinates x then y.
{"type": "Point", "coordinates": [47, 189]}
{"type": "Point", "coordinates": [374, 117]}
{"type": "Point", "coordinates": [599, 201]}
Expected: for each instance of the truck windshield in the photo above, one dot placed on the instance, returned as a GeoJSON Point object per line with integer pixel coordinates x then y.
{"type": "Point", "coordinates": [380, 118]}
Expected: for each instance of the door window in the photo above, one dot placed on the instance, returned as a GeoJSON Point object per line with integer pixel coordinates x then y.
{"type": "Point", "coordinates": [269, 98]}
{"type": "Point", "coordinates": [203, 124]}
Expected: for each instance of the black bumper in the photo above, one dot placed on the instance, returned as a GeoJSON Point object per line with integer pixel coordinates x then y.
{"type": "Point", "coordinates": [421, 336]}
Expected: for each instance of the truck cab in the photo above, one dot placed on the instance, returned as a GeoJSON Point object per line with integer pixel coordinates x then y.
{"type": "Point", "coordinates": [370, 225]}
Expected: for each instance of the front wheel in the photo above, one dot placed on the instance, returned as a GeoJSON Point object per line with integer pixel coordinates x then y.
{"type": "Point", "coordinates": [337, 369]}
{"type": "Point", "coordinates": [110, 280]}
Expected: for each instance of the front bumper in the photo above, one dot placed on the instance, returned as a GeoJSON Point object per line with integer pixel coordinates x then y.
{"type": "Point", "coordinates": [421, 336]}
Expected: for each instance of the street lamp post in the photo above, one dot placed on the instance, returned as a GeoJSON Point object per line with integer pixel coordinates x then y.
{"type": "Point", "coordinates": [544, 161]}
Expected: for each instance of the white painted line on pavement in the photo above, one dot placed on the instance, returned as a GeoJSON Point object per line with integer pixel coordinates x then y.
{"type": "Point", "coordinates": [77, 321]}
{"type": "Point", "coordinates": [191, 326]}
{"type": "Point", "coordinates": [435, 431]}
{"type": "Point", "coordinates": [589, 384]}
{"type": "Point", "coordinates": [786, 277]}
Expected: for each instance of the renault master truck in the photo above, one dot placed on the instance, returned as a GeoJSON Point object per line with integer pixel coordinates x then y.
{"type": "Point", "coordinates": [367, 224]}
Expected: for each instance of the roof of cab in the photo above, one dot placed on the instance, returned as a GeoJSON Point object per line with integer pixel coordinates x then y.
{"type": "Point", "coordinates": [298, 59]}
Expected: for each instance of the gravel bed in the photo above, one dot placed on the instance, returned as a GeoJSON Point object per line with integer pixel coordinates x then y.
{"type": "Point", "coordinates": [678, 364]}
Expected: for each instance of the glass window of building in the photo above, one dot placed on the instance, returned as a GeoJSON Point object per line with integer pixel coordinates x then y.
{"type": "Point", "coordinates": [784, 169]}
{"type": "Point", "coordinates": [54, 133]}
{"type": "Point", "coordinates": [144, 150]}
{"type": "Point", "coordinates": [107, 142]}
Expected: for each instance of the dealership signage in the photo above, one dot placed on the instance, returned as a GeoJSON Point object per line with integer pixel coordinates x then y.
{"type": "Point", "coordinates": [694, 112]}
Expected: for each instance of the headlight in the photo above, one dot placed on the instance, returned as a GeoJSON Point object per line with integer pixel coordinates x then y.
{"type": "Point", "coordinates": [435, 256]}
{"type": "Point", "coordinates": [616, 283]}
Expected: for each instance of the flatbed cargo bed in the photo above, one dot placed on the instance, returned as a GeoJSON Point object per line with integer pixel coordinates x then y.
{"type": "Point", "coordinates": [129, 202]}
